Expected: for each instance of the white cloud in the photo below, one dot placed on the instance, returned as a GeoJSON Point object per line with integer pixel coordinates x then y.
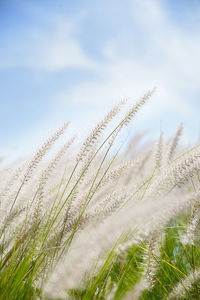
{"type": "Point", "coordinates": [51, 48]}
{"type": "Point", "coordinates": [57, 50]}
{"type": "Point", "coordinates": [169, 59]}
{"type": "Point", "coordinates": [172, 64]}
{"type": "Point", "coordinates": [128, 79]}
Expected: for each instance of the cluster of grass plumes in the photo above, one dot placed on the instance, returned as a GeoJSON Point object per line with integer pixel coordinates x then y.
{"type": "Point", "coordinates": [103, 221]}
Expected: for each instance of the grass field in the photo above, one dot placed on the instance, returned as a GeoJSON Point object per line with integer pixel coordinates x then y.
{"type": "Point", "coordinates": [104, 220]}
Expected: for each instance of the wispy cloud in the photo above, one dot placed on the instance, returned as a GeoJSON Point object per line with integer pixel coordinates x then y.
{"type": "Point", "coordinates": [51, 46]}
{"type": "Point", "coordinates": [170, 60]}
{"type": "Point", "coordinates": [97, 54]}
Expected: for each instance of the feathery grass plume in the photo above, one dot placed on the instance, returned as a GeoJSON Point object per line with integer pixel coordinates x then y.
{"type": "Point", "coordinates": [174, 143]}
{"type": "Point", "coordinates": [129, 115]}
{"type": "Point", "coordinates": [94, 136]}
{"type": "Point", "coordinates": [43, 150]}
{"type": "Point", "coordinates": [177, 174]}
{"type": "Point", "coordinates": [10, 218]}
{"type": "Point", "coordinates": [136, 107]}
{"type": "Point", "coordinates": [154, 223]}
{"type": "Point", "coordinates": [101, 202]}
{"type": "Point", "coordinates": [95, 215]}
{"type": "Point", "coordinates": [159, 151]}
{"type": "Point", "coordinates": [5, 197]}
{"type": "Point", "coordinates": [83, 201]}
{"type": "Point", "coordinates": [38, 157]}
{"type": "Point", "coordinates": [105, 208]}
{"type": "Point", "coordinates": [149, 265]}
{"type": "Point", "coordinates": [193, 228]}
{"type": "Point", "coordinates": [177, 205]}
{"type": "Point", "coordinates": [183, 288]}
{"type": "Point", "coordinates": [88, 150]}
{"type": "Point", "coordinates": [46, 173]}
{"type": "Point", "coordinates": [8, 186]}
{"type": "Point", "coordinates": [53, 163]}
{"type": "Point", "coordinates": [115, 174]}
{"type": "Point", "coordinates": [151, 259]}
{"type": "Point", "coordinates": [101, 126]}
{"type": "Point", "coordinates": [74, 267]}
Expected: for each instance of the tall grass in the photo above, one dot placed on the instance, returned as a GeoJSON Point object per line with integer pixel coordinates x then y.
{"type": "Point", "coordinates": [105, 221]}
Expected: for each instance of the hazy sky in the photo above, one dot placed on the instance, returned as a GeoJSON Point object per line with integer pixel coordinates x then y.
{"type": "Point", "coordinates": [71, 60]}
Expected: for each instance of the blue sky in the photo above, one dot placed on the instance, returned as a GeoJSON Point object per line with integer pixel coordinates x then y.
{"type": "Point", "coordinates": [72, 60]}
